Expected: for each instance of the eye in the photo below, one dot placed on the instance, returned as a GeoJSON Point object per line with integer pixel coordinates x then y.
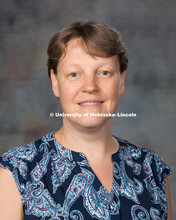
{"type": "Point", "coordinates": [104, 74]}
{"type": "Point", "coordinates": [73, 75]}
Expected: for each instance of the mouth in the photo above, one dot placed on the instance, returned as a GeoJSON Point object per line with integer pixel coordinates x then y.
{"type": "Point", "coordinates": [90, 103]}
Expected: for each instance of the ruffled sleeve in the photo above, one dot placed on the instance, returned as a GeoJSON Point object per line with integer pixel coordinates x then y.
{"type": "Point", "coordinates": [162, 170]}
{"type": "Point", "coordinates": [18, 161]}
{"type": "Point", "coordinates": [155, 166]}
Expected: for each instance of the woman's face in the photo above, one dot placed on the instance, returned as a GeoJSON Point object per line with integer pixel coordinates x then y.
{"type": "Point", "coordinates": [87, 84]}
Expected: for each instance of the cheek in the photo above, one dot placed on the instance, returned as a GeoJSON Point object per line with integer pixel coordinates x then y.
{"type": "Point", "coordinates": [112, 90]}
{"type": "Point", "coordinates": [67, 92]}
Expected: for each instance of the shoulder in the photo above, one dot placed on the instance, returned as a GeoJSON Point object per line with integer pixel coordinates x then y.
{"type": "Point", "coordinates": [27, 163]}
{"type": "Point", "coordinates": [32, 151]}
{"type": "Point", "coordinates": [150, 162]}
{"type": "Point", "coordinates": [23, 160]}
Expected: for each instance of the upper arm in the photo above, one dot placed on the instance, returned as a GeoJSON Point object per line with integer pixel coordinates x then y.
{"type": "Point", "coordinates": [10, 199]}
{"type": "Point", "coordinates": [167, 191]}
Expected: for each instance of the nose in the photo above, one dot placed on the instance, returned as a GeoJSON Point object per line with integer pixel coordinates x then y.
{"type": "Point", "coordinates": [90, 84]}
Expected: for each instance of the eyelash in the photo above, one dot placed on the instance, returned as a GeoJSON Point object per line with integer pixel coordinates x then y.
{"type": "Point", "coordinates": [99, 74]}
{"type": "Point", "coordinates": [105, 71]}
{"type": "Point", "coordinates": [70, 75]}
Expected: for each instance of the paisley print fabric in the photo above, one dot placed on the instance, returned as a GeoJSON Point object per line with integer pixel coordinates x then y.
{"type": "Point", "coordinates": [56, 183]}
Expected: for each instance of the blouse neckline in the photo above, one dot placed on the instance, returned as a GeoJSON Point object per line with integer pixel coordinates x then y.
{"type": "Point", "coordinates": [78, 154]}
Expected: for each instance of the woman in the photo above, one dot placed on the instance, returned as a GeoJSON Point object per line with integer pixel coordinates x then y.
{"type": "Point", "coordinates": [82, 171]}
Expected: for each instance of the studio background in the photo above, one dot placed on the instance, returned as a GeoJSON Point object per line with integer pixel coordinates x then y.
{"type": "Point", "coordinates": [149, 32]}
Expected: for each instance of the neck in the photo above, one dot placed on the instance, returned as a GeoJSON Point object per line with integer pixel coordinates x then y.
{"type": "Point", "coordinates": [94, 142]}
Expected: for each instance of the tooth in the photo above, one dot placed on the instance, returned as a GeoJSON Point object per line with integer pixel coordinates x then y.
{"type": "Point", "coordinates": [89, 103]}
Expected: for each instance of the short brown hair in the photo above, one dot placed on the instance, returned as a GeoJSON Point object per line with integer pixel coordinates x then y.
{"type": "Point", "coordinates": [99, 39]}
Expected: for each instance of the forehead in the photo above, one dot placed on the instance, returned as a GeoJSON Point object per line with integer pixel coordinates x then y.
{"type": "Point", "coordinates": [75, 43]}
{"type": "Point", "coordinates": [77, 52]}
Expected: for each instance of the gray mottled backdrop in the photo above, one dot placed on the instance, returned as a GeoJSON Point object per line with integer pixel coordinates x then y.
{"type": "Point", "coordinates": [149, 31]}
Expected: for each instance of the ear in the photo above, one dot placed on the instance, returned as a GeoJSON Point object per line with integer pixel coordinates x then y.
{"type": "Point", "coordinates": [122, 82]}
{"type": "Point", "coordinates": [55, 85]}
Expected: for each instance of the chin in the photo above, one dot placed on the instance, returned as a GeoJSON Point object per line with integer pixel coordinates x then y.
{"type": "Point", "coordinates": [91, 123]}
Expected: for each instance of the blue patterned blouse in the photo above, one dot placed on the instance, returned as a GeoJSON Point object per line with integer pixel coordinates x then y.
{"type": "Point", "coordinates": [56, 183]}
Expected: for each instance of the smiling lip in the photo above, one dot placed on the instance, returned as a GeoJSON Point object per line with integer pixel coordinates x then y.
{"type": "Point", "coordinates": [89, 103]}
